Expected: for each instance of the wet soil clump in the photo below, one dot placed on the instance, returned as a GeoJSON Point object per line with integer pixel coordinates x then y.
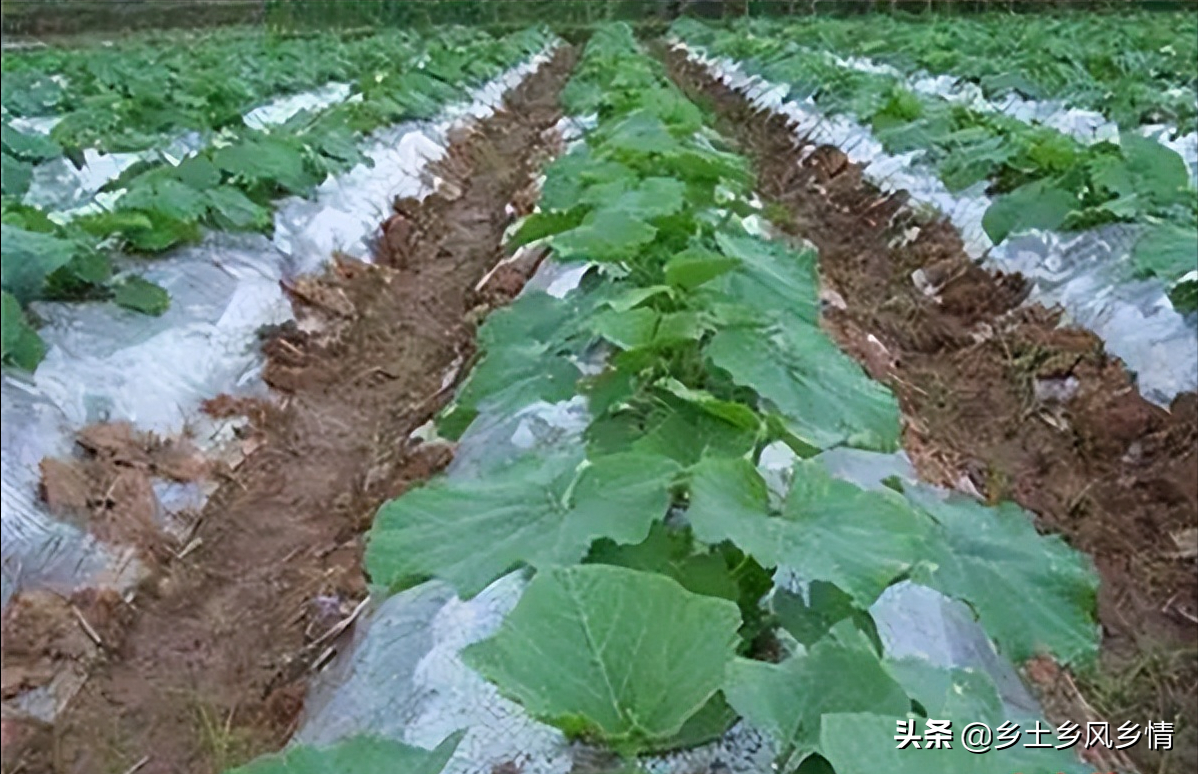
{"type": "Point", "coordinates": [206, 664]}
{"type": "Point", "coordinates": [1002, 401]}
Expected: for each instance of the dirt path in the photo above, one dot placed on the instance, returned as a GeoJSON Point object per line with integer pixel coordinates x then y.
{"type": "Point", "coordinates": [207, 664]}
{"type": "Point", "coordinates": [1000, 400]}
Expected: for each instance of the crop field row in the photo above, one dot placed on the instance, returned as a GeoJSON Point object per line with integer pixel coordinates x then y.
{"type": "Point", "coordinates": [229, 184]}
{"type": "Point", "coordinates": [1038, 177]}
{"type": "Point", "coordinates": [656, 518]}
{"type": "Point", "coordinates": [651, 431]}
{"type": "Point", "coordinates": [1136, 71]}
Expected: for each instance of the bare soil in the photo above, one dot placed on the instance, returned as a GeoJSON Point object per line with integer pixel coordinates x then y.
{"type": "Point", "coordinates": [206, 664]}
{"type": "Point", "coordinates": [1002, 401]}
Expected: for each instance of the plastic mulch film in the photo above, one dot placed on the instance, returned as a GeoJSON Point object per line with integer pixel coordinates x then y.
{"type": "Point", "coordinates": [62, 188]}
{"type": "Point", "coordinates": [1089, 273]}
{"type": "Point", "coordinates": [108, 364]}
{"type": "Point", "coordinates": [1086, 126]}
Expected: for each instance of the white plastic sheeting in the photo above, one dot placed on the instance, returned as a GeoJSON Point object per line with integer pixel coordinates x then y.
{"type": "Point", "coordinates": [1086, 126]}
{"type": "Point", "coordinates": [280, 110]}
{"type": "Point", "coordinates": [105, 363]}
{"type": "Point", "coordinates": [1089, 274]}
{"type": "Point", "coordinates": [58, 186]}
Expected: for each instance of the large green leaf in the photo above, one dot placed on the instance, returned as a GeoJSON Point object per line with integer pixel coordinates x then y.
{"type": "Point", "coordinates": [609, 234]}
{"type": "Point", "coordinates": [964, 695]}
{"type": "Point", "coordinates": [695, 266]}
{"type": "Point", "coordinates": [526, 358]}
{"type": "Point", "coordinates": [268, 160]}
{"type": "Point", "coordinates": [29, 258]}
{"type": "Point", "coordinates": [822, 394]}
{"type": "Point", "coordinates": [22, 346]}
{"type": "Point", "coordinates": [1037, 205]}
{"type": "Point", "coordinates": [771, 277]}
{"type": "Point", "coordinates": [141, 295]}
{"type": "Point", "coordinates": [808, 617]}
{"type": "Point", "coordinates": [1158, 173]}
{"type": "Point", "coordinates": [170, 197]}
{"type": "Point", "coordinates": [653, 197]}
{"type": "Point", "coordinates": [537, 511]}
{"type": "Point", "coordinates": [840, 673]}
{"type": "Point", "coordinates": [989, 557]}
{"type": "Point", "coordinates": [27, 147]}
{"type": "Point", "coordinates": [641, 133]}
{"type": "Point", "coordinates": [682, 428]}
{"type": "Point", "coordinates": [356, 755]}
{"type": "Point", "coordinates": [232, 209]}
{"type": "Point", "coordinates": [622, 656]}
{"type": "Point", "coordinates": [671, 552]}
{"type": "Point", "coordinates": [828, 530]}
{"type": "Point", "coordinates": [148, 231]}
{"type": "Point", "coordinates": [1167, 250]}
{"type": "Point", "coordinates": [15, 175]}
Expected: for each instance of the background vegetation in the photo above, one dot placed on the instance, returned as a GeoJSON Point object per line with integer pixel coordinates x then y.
{"type": "Point", "coordinates": [23, 19]}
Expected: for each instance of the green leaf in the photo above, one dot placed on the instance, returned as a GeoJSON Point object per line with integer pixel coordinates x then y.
{"type": "Point", "coordinates": [736, 414]}
{"type": "Point", "coordinates": [605, 235]}
{"type": "Point", "coordinates": [654, 197]}
{"type": "Point", "coordinates": [147, 231]}
{"type": "Point", "coordinates": [671, 552]}
{"type": "Point", "coordinates": [1166, 250]}
{"type": "Point", "coordinates": [771, 277]}
{"type": "Point", "coordinates": [682, 430]}
{"type": "Point", "coordinates": [1184, 296]}
{"type": "Point", "coordinates": [198, 173]}
{"type": "Point", "coordinates": [27, 147]}
{"type": "Point", "coordinates": [1158, 173]}
{"type": "Point", "coordinates": [29, 258]}
{"type": "Point", "coordinates": [829, 530]}
{"type": "Point", "coordinates": [537, 511]}
{"type": "Point", "coordinates": [1037, 205]}
{"type": "Point", "coordinates": [991, 556]}
{"type": "Point", "coordinates": [526, 357]}
{"type": "Point", "coordinates": [823, 396]}
{"type": "Point", "coordinates": [21, 346]}
{"type": "Point", "coordinates": [232, 209]}
{"type": "Point", "coordinates": [808, 620]}
{"type": "Point", "coordinates": [28, 218]}
{"type": "Point", "coordinates": [356, 755]}
{"type": "Point", "coordinates": [956, 694]}
{"type": "Point", "coordinates": [617, 655]}
{"type": "Point", "coordinates": [840, 673]}
{"type": "Point", "coordinates": [641, 133]}
{"type": "Point", "coordinates": [15, 175]}
{"type": "Point", "coordinates": [966, 166]}
{"type": "Point", "coordinates": [542, 224]}
{"type": "Point", "coordinates": [707, 725]}
{"type": "Point", "coordinates": [81, 278]}
{"type": "Point", "coordinates": [627, 329]}
{"type": "Point", "coordinates": [269, 160]}
{"type": "Point", "coordinates": [141, 295]}
{"type": "Point", "coordinates": [696, 266]}
{"type": "Point", "coordinates": [864, 743]}
{"type": "Point", "coordinates": [173, 199]}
